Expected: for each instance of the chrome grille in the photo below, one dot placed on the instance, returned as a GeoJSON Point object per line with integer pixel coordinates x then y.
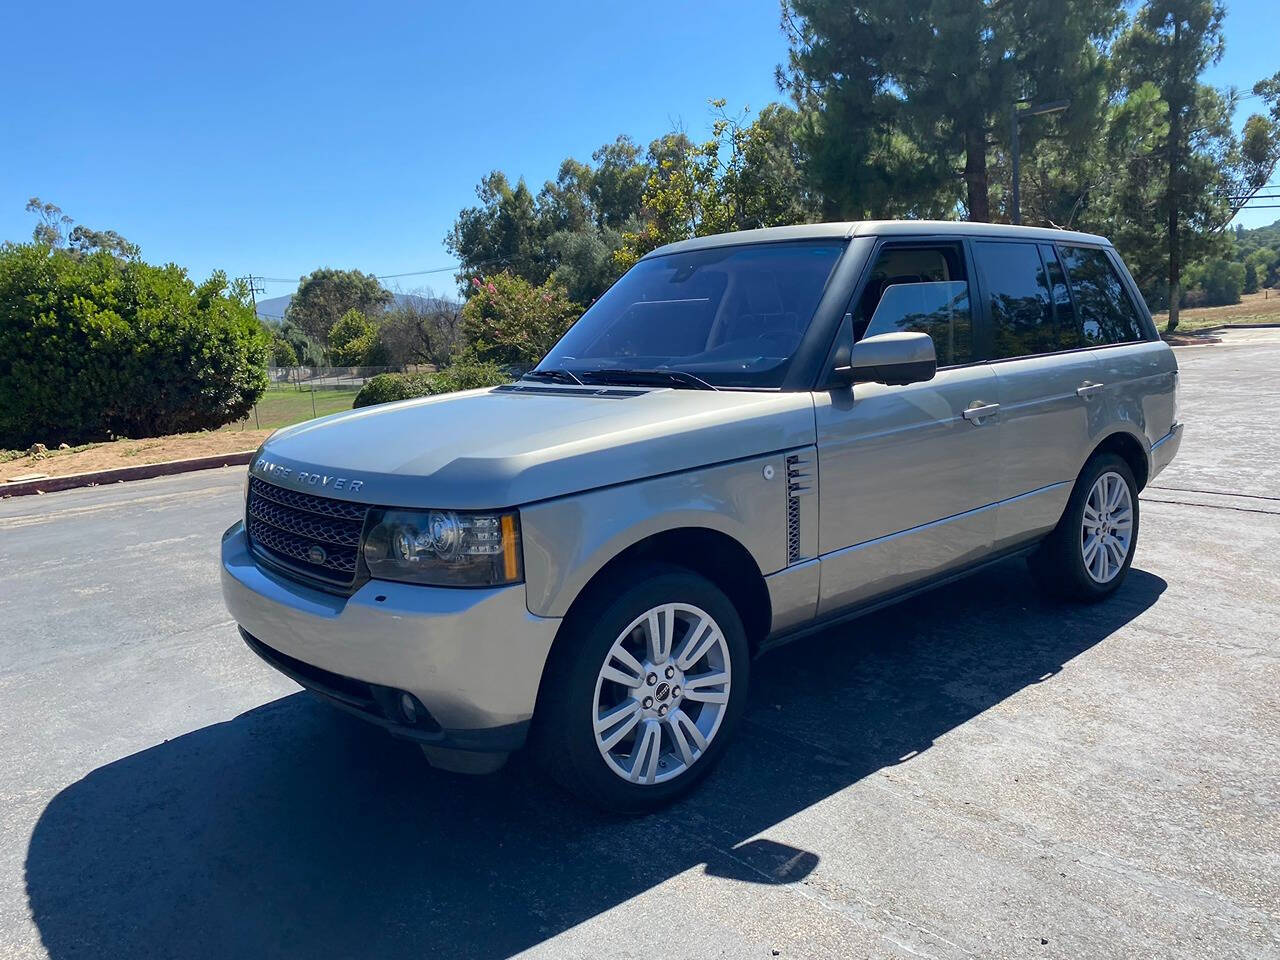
{"type": "Point", "coordinates": [317, 536]}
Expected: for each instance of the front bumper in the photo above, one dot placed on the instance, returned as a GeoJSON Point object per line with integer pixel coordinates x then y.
{"type": "Point", "coordinates": [472, 657]}
{"type": "Point", "coordinates": [1164, 450]}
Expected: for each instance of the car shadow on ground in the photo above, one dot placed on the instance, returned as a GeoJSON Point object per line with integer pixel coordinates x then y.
{"type": "Point", "coordinates": [294, 830]}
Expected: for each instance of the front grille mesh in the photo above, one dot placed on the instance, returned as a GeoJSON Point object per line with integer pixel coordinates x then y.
{"type": "Point", "coordinates": [323, 506]}
{"type": "Point", "coordinates": [305, 525]}
{"type": "Point", "coordinates": [318, 536]}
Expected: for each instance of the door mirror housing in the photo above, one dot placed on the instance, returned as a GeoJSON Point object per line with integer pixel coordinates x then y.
{"type": "Point", "coordinates": [895, 359]}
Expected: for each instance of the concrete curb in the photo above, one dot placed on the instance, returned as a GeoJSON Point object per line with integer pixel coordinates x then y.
{"type": "Point", "coordinates": [1222, 326]}
{"type": "Point", "coordinates": [142, 471]}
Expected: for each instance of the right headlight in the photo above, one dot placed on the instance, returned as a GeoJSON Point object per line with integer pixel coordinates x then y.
{"type": "Point", "coordinates": [445, 548]}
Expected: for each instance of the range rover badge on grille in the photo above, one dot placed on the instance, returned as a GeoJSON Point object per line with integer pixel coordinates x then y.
{"type": "Point", "coordinates": [317, 555]}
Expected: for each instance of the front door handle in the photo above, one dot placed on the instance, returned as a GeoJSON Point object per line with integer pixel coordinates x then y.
{"type": "Point", "coordinates": [1088, 389]}
{"type": "Point", "coordinates": [979, 411]}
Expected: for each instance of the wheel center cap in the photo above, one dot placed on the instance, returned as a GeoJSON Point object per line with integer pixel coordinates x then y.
{"type": "Point", "coordinates": [663, 691]}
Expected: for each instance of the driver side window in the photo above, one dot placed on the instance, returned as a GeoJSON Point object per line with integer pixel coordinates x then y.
{"type": "Point", "coordinates": [920, 289]}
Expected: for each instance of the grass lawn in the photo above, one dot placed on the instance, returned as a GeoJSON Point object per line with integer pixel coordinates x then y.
{"type": "Point", "coordinates": [281, 406]}
{"type": "Point", "coordinates": [1260, 307]}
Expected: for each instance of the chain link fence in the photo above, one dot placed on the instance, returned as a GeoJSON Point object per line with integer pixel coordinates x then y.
{"type": "Point", "coordinates": [302, 393]}
{"type": "Point", "coordinates": [325, 378]}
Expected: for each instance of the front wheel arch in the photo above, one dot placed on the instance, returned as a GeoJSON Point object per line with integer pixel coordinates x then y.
{"type": "Point", "coordinates": [701, 550]}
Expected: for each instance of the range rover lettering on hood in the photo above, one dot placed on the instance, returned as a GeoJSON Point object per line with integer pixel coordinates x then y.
{"type": "Point", "coordinates": [269, 468]}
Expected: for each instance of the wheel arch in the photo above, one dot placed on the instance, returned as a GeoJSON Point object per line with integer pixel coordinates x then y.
{"type": "Point", "coordinates": [708, 552]}
{"type": "Point", "coordinates": [1129, 448]}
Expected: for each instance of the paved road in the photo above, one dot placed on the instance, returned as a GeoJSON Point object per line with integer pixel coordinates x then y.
{"type": "Point", "coordinates": [976, 773]}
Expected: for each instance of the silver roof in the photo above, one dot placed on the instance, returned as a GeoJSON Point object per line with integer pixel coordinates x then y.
{"type": "Point", "coordinates": [879, 228]}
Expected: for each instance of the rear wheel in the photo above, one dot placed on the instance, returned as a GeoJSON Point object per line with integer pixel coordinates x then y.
{"type": "Point", "coordinates": [643, 690]}
{"type": "Point", "coordinates": [1089, 553]}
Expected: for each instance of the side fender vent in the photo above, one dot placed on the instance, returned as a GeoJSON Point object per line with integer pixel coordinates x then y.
{"type": "Point", "coordinates": [798, 483]}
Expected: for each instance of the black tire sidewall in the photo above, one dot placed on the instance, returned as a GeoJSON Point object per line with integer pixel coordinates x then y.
{"type": "Point", "coordinates": [565, 737]}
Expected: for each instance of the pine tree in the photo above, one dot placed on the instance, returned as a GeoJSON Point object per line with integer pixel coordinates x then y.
{"type": "Point", "coordinates": [908, 101]}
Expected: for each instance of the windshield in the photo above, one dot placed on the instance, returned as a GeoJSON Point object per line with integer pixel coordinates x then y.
{"type": "Point", "coordinates": [729, 316]}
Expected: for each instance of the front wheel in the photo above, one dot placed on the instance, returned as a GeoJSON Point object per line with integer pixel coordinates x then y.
{"type": "Point", "coordinates": [1089, 553]}
{"type": "Point", "coordinates": [643, 690]}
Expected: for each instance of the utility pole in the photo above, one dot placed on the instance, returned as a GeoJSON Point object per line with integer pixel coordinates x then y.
{"type": "Point", "coordinates": [254, 289]}
{"type": "Point", "coordinates": [1015, 117]}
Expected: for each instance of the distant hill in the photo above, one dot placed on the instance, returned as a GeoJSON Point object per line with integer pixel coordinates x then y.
{"type": "Point", "coordinates": [271, 312]}
{"type": "Point", "coordinates": [1249, 240]}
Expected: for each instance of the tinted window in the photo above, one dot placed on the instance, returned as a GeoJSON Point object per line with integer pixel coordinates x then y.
{"type": "Point", "coordinates": [1017, 290]}
{"type": "Point", "coordinates": [919, 289]}
{"type": "Point", "coordinates": [730, 315]}
{"type": "Point", "coordinates": [1106, 313]}
{"type": "Point", "coordinates": [1064, 313]}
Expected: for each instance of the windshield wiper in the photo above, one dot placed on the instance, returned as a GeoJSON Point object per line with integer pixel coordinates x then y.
{"type": "Point", "coordinates": [680, 378]}
{"type": "Point", "coordinates": [555, 374]}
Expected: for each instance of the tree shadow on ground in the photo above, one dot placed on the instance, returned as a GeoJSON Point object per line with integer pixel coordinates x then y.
{"type": "Point", "coordinates": [294, 830]}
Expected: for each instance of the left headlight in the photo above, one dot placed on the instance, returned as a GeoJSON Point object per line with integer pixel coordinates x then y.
{"type": "Point", "coordinates": [445, 548]}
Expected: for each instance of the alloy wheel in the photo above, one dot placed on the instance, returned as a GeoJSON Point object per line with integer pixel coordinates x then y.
{"type": "Point", "coordinates": [1106, 533]}
{"type": "Point", "coordinates": [661, 693]}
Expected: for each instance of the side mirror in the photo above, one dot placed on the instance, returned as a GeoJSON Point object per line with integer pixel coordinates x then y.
{"type": "Point", "coordinates": [895, 359]}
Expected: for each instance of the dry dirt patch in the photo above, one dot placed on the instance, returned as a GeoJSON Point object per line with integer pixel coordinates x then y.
{"type": "Point", "coordinates": [131, 453]}
{"type": "Point", "coordinates": [1260, 307]}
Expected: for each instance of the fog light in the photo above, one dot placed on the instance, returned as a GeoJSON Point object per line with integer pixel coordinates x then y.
{"type": "Point", "coordinates": [408, 708]}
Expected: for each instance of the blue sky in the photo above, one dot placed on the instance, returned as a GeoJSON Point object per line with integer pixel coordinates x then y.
{"type": "Point", "coordinates": [273, 141]}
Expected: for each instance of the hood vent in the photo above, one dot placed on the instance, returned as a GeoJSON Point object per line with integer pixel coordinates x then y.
{"type": "Point", "coordinates": [601, 393]}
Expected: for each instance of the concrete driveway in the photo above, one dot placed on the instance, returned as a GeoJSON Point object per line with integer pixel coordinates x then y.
{"type": "Point", "coordinates": [975, 773]}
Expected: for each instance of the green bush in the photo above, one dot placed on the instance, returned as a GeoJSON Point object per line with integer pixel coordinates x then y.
{"type": "Point", "coordinates": [386, 387]}
{"type": "Point", "coordinates": [354, 342]}
{"type": "Point", "coordinates": [1214, 283]}
{"type": "Point", "coordinates": [507, 320]}
{"type": "Point", "coordinates": [467, 376]}
{"type": "Point", "coordinates": [282, 353]}
{"type": "Point", "coordinates": [93, 347]}
{"type": "Point", "coordinates": [308, 351]}
{"type": "Point", "coordinates": [1250, 277]}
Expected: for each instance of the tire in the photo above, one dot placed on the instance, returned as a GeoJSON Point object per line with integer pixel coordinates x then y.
{"type": "Point", "coordinates": [1068, 564]}
{"type": "Point", "coordinates": [682, 722]}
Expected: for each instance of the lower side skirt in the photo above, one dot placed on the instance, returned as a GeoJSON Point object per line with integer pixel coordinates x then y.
{"type": "Point", "coordinates": [878, 603]}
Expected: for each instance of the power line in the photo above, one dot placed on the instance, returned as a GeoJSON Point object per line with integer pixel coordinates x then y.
{"type": "Point", "coordinates": [412, 273]}
{"type": "Point", "coordinates": [379, 276]}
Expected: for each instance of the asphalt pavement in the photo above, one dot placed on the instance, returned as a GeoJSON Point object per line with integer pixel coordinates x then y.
{"type": "Point", "coordinates": [977, 772]}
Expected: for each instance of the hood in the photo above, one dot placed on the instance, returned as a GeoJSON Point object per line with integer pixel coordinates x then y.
{"type": "Point", "coordinates": [503, 447]}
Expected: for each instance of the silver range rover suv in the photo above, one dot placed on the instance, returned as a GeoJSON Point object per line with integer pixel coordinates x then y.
{"type": "Point", "coordinates": [747, 438]}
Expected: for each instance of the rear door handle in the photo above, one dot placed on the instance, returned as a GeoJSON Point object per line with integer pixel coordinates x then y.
{"type": "Point", "coordinates": [1088, 389]}
{"type": "Point", "coordinates": [977, 412]}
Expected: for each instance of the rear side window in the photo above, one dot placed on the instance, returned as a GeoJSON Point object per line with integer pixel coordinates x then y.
{"type": "Point", "coordinates": [1106, 313]}
{"type": "Point", "coordinates": [921, 289]}
{"type": "Point", "coordinates": [1018, 294]}
{"type": "Point", "coordinates": [1064, 312]}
